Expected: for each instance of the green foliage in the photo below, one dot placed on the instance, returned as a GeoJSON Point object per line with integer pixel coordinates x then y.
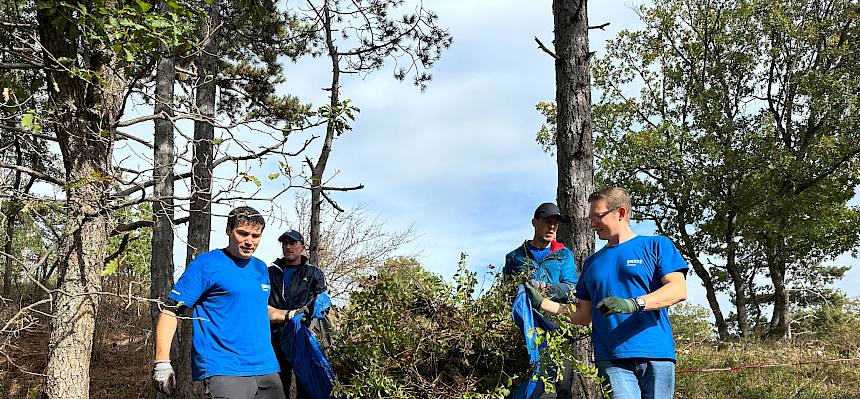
{"type": "Point", "coordinates": [130, 251]}
{"type": "Point", "coordinates": [826, 332]}
{"type": "Point", "coordinates": [408, 334]}
{"type": "Point", "coordinates": [340, 116]}
{"type": "Point", "coordinates": [690, 323]}
{"type": "Point", "coordinates": [735, 127]}
{"type": "Point", "coordinates": [128, 29]}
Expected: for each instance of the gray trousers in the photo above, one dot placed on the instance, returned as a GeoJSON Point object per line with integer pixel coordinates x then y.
{"type": "Point", "coordinates": [266, 386]}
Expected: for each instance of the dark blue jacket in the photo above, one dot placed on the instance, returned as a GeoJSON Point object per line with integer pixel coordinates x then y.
{"type": "Point", "coordinates": [557, 269]}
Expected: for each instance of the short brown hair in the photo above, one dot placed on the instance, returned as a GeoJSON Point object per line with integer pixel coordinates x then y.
{"type": "Point", "coordinates": [245, 215]}
{"type": "Point", "coordinates": [616, 197]}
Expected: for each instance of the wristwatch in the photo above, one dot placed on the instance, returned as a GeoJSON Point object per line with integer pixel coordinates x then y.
{"type": "Point", "coordinates": [640, 303]}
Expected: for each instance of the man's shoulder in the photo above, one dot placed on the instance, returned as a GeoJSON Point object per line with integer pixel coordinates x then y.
{"type": "Point", "coordinates": [314, 268]}
{"type": "Point", "coordinates": [520, 250]}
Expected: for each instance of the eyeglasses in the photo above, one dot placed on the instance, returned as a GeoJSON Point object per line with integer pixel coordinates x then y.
{"type": "Point", "coordinates": [598, 216]}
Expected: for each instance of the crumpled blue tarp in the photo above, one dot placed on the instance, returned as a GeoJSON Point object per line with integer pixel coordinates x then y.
{"type": "Point", "coordinates": [527, 318]}
{"type": "Point", "coordinates": [303, 351]}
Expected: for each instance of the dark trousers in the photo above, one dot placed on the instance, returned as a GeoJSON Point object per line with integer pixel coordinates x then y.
{"type": "Point", "coordinates": [266, 386]}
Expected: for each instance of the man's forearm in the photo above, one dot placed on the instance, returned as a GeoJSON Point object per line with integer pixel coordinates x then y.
{"type": "Point", "coordinates": [165, 329]}
{"type": "Point", "coordinates": [277, 315]}
{"type": "Point", "coordinates": [667, 295]}
{"type": "Point", "coordinates": [578, 313]}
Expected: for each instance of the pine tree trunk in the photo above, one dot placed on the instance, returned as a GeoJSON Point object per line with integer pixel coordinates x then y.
{"type": "Point", "coordinates": [85, 135]}
{"type": "Point", "coordinates": [164, 156]}
{"type": "Point", "coordinates": [200, 213]}
{"type": "Point", "coordinates": [10, 213]}
{"type": "Point", "coordinates": [574, 146]}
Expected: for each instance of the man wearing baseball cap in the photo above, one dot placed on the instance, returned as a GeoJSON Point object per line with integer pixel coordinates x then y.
{"type": "Point", "coordinates": [549, 267]}
{"type": "Point", "coordinates": [295, 286]}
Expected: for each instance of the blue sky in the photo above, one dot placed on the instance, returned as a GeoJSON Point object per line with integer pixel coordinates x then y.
{"type": "Point", "coordinates": [459, 161]}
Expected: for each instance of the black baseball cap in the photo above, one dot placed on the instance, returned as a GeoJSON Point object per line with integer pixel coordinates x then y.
{"type": "Point", "coordinates": [547, 209]}
{"type": "Point", "coordinates": [292, 235]}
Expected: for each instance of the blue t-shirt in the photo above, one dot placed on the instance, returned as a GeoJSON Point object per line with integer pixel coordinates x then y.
{"type": "Point", "coordinates": [538, 253]}
{"type": "Point", "coordinates": [229, 300]}
{"type": "Point", "coordinates": [629, 270]}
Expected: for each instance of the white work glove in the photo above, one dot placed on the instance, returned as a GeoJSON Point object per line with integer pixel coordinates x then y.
{"type": "Point", "coordinates": [164, 378]}
{"type": "Point", "coordinates": [292, 313]}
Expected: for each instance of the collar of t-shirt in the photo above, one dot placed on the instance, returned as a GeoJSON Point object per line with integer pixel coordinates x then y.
{"type": "Point", "coordinates": [238, 261]}
{"type": "Point", "coordinates": [539, 253]}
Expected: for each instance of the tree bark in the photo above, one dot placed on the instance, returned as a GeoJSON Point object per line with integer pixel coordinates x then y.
{"type": "Point", "coordinates": [689, 249]}
{"type": "Point", "coordinates": [164, 156]}
{"type": "Point", "coordinates": [737, 278]}
{"type": "Point", "coordinates": [575, 148]}
{"type": "Point", "coordinates": [319, 168]}
{"type": "Point", "coordinates": [84, 127]}
{"type": "Point", "coordinates": [200, 212]}
{"type": "Point", "coordinates": [10, 212]}
{"type": "Point", "coordinates": [780, 322]}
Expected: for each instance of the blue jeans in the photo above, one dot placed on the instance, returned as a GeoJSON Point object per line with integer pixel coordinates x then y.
{"type": "Point", "coordinates": [638, 378]}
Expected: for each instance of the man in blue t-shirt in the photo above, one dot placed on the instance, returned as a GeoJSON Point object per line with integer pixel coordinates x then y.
{"type": "Point", "coordinates": [549, 266]}
{"type": "Point", "coordinates": [227, 291]}
{"type": "Point", "coordinates": [632, 281]}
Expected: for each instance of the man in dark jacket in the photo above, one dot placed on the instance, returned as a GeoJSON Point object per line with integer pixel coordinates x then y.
{"type": "Point", "coordinates": [550, 267]}
{"type": "Point", "coordinates": [295, 285]}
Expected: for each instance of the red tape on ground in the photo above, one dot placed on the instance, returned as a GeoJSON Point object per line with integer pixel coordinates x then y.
{"type": "Point", "coordinates": [765, 366]}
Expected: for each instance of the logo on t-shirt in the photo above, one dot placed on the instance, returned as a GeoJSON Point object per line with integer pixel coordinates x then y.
{"type": "Point", "coordinates": [634, 262]}
{"type": "Point", "coordinates": [265, 287]}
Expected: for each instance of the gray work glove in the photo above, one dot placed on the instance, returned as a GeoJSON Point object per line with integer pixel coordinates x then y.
{"type": "Point", "coordinates": [164, 378]}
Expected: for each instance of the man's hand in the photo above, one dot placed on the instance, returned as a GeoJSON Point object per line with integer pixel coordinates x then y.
{"type": "Point", "coordinates": [535, 296]}
{"type": "Point", "coordinates": [302, 310]}
{"type": "Point", "coordinates": [542, 286]}
{"type": "Point", "coordinates": [164, 378]}
{"type": "Point", "coordinates": [613, 305]}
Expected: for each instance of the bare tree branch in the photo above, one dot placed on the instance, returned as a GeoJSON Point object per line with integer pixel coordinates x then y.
{"type": "Point", "coordinates": [545, 49]}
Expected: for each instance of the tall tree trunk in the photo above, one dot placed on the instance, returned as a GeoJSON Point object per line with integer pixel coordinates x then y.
{"type": "Point", "coordinates": [319, 168]}
{"type": "Point", "coordinates": [200, 213]}
{"type": "Point", "coordinates": [575, 147]}
{"type": "Point", "coordinates": [689, 249]}
{"type": "Point", "coordinates": [163, 174]}
{"type": "Point", "coordinates": [780, 321]}
{"type": "Point", "coordinates": [83, 123]}
{"type": "Point", "coordinates": [736, 276]}
{"type": "Point", "coordinates": [10, 213]}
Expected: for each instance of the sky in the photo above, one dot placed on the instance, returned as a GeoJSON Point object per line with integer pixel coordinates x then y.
{"type": "Point", "coordinates": [459, 162]}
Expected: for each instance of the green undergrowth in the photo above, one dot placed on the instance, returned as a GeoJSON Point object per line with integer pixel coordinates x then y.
{"type": "Point", "coordinates": [835, 335]}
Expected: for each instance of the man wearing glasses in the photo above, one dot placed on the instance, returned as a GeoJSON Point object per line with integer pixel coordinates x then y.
{"type": "Point", "coordinates": [549, 266]}
{"type": "Point", "coordinates": [632, 281]}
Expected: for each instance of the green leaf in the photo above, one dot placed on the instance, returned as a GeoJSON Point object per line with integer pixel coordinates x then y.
{"type": "Point", "coordinates": [274, 176]}
{"type": "Point", "coordinates": [253, 179]}
{"type": "Point", "coordinates": [111, 267]}
{"type": "Point", "coordinates": [27, 119]}
{"type": "Point", "coordinates": [144, 6]}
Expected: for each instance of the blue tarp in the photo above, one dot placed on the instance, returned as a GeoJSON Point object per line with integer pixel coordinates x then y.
{"type": "Point", "coordinates": [303, 351]}
{"type": "Point", "coordinates": [527, 318]}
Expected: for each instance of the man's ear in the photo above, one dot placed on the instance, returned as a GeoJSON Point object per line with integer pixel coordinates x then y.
{"type": "Point", "coordinates": [227, 230]}
{"type": "Point", "coordinates": [534, 222]}
{"type": "Point", "coordinates": [622, 212]}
